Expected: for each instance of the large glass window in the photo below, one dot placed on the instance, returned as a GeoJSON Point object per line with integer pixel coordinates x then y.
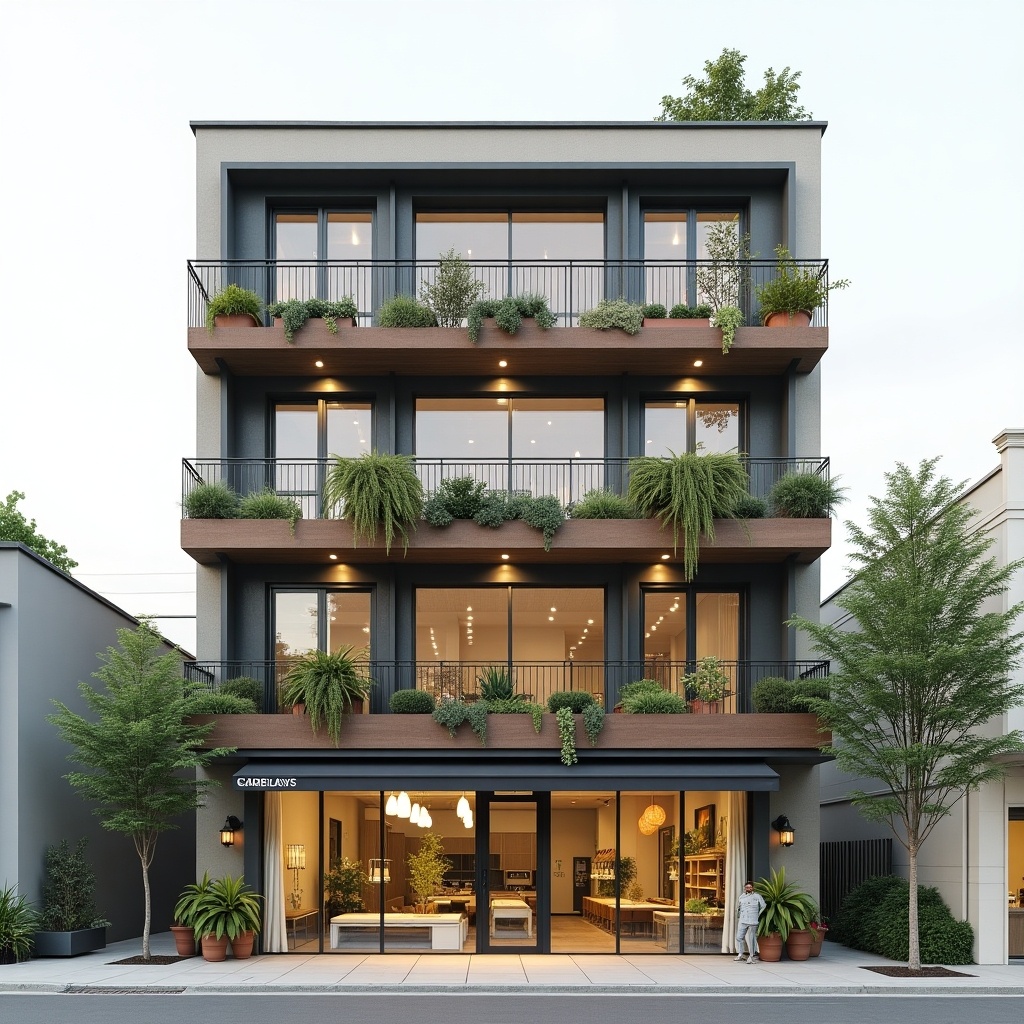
{"type": "Point", "coordinates": [540, 639]}
{"type": "Point", "coordinates": [540, 445]}
{"type": "Point", "coordinates": [691, 424]}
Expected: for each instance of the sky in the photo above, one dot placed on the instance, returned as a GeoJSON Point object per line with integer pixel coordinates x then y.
{"type": "Point", "coordinates": [921, 209]}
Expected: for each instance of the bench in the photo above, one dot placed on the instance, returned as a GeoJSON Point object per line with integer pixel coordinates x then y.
{"type": "Point", "coordinates": [436, 931]}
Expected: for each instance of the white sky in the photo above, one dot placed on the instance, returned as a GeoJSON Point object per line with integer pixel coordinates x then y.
{"type": "Point", "coordinates": [921, 208]}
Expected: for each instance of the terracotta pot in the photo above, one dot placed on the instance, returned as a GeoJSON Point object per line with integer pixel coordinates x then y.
{"type": "Point", "coordinates": [798, 319]}
{"type": "Point", "coordinates": [298, 709]}
{"type": "Point", "coordinates": [705, 707]}
{"type": "Point", "coordinates": [184, 940]}
{"type": "Point", "coordinates": [770, 947]}
{"type": "Point", "coordinates": [817, 938]}
{"type": "Point", "coordinates": [241, 945]}
{"type": "Point", "coordinates": [234, 320]}
{"type": "Point", "coordinates": [798, 945]}
{"type": "Point", "coordinates": [215, 949]}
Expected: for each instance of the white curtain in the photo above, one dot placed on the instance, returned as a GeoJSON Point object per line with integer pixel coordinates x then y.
{"type": "Point", "coordinates": [735, 866]}
{"type": "Point", "coordinates": [275, 938]}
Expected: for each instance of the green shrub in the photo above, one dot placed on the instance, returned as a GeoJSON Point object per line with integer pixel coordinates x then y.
{"type": "Point", "coordinates": [681, 311]}
{"type": "Point", "coordinates": [509, 313]}
{"type": "Point", "coordinates": [874, 917]}
{"type": "Point", "coordinates": [805, 496]}
{"type": "Point", "coordinates": [18, 925]}
{"type": "Point", "coordinates": [211, 501]}
{"type": "Point", "coordinates": [268, 504]}
{"type": "Point", "coordinates": [772, 696]}
{"type": "Point", "coordinates": [697, 905]}
{"type": "Point", "coordinates": [544, 513]}
{"type": "Point", "coordinates": [655, 702]}
{"type": "Point", "coordinates": [728, 319]}
{"type": "Point", "coordinates": [603, 505]}
{"type": "Point", "coordinates": [232, 301]}
{"type": "Point", "coordinates": [68, 889]}
{"type": "Point", "coordinates": [452, 713]}
{"type": "Point", "coordinates": [609, 313]}
{"type": "Point", "coordinates": [217, 702]}
{"type": "Point", "coordinates": [654, 311]}
{"type": "Point", "coordinates": [574, 700]}
{"type": "Point", "coordinates": [405, 311]}
{"type": "Point", "coordinates": [750, 507]}
{"type": "Point", "coordinates": [628, 690]}
{"type": "Point", "coordinates": [412, 702]}
{"type": "Point", "coordinates": [808, 689]}
{"type": "Point", "coordinates": [453, 290]}
{"type": "Point", "coordinates": [244, 686]}
{"type": "Point", "coordinates": [455, 498]}
{"type": "Point", "coordinates": [515, 706]}
{"type": "Point", "coordinates": [593, 721]}
{"type": "Point", "coordinates": [294, 313]}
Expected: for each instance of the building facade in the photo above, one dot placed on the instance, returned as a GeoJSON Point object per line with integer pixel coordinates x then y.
{"type": "Point", "coordinates": [577, 213]}
{"type": "Point", "coordinates": [975, 856]}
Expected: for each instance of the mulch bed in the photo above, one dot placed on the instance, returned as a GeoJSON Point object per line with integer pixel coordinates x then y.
{"type": "Point", "coordinates": [925, 972]}
{"type": "Point", "coordinates": [153, 961]}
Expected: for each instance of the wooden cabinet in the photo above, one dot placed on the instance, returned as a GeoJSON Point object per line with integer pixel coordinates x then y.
{"type": "Point", "coordinates": [518, 850]}
{"type": "Point", "coordinates": [704, 876]}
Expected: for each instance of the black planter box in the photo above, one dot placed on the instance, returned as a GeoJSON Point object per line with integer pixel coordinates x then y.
{"type": "Point", "coordinates": [85, 940]}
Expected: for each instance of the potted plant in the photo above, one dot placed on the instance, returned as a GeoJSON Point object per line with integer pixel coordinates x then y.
{"type": "Point", "coordinates": [706, 687]}
{"type": "Point", "coordinates": [453, 290]}
{"type": "Point", "coordinates": [509, 313]}
{"type": "Point", "coordinates": [234, 307]}
{"type": "Point", "coordinates": [343, 887]}
{"type": "Point", "coordinates": [722, 279]}
{"type": "Point", "coordinates": [227, 911]}
{"type": "Point", "coordinates": [790, 298]}
{"type": "Point", "coordinates": [427, 868]}
{"type": "Point", "coordinates": [682, 315]}
{"type": "Point", "coordinates": [655, 315]}
{"type": "Point", "coordinates": [375, 491]}
{"type": "Point", "coordinates": [69, 924]}
{"type": "Point", "coordinates": [614, 313]}
{"type": "Point", "coordinates": [18, 924]}
{"type": "Point", "coordinates": [787, 910]}
{"type": "Point", "coordinates": [330, 684]}
{"type": "Point", "coordinates": [185, 914]}
{"type": "Point", "coordinates": [294, 313]}
{"type": "Point", "coordinates": [405, 311]}
{"type": "Point", "coordinates": [805, 496]}
{"type": "Point", "coordinates": [818, 927]}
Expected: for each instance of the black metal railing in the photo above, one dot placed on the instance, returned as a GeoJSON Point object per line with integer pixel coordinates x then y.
{"type": "Point", "coordinates": [570, 286]}
{"type": "Point", "coordinates": [532, 680]}
{"type": "Point", "coordinates": [568, 479]}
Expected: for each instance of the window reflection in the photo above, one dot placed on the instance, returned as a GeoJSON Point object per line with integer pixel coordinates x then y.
{"type": "Point", "coordinates": [690, 424]}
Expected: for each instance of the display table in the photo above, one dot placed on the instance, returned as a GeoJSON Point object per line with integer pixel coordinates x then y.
{"type": "Point", "coordinates": [666, 929]}
{"type": "Point", "coordinates": [633, 916]}
{"type": "Point", "coordinates": [297, 917]}
{"type": "Point", "coordinates": [511, 910]}
{"type": "Point", "coordinates": [439, 931]}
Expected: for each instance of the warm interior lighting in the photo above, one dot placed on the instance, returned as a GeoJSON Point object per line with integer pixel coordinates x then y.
{"type": "Point", "coordinates": [503, 363]}
{"type": "Point", "coordinates": [404, 808]}
{"type": "Point", "coordinates": [665, 558]}
{"type": "Point", "coordinates": [319, 364]}
{"type": "Point", "coordinates": [504, 558]}
{"type": "Point", "coordinates": [462, 808]}
{"type": "Point", "coordinates": [333, 558]}
{"type": "Point", "coordinates": [391, 807]}
{"type": "Point", "coordinates": [698, 362]}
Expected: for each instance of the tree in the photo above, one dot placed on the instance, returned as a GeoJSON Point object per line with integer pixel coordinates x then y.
{"type": "Point", "coordinates": [722, 95]}
{"type": "Point", "coordinates": [926, 665]}
{"type": "Point", "coordinates": [140, 753]}
{"type": "Point", "coordinates": [14, 526]}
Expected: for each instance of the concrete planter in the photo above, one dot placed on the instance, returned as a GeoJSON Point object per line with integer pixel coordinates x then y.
{"type": "Point", "coordinates": [75, 943]}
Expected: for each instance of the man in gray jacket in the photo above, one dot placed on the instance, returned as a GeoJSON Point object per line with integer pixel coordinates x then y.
{"type": "Point", "coordinates": [750, 906]}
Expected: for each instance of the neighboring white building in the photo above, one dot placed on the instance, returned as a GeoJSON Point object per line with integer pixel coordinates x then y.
{"type": "Point", "coordinates": [975, 856]}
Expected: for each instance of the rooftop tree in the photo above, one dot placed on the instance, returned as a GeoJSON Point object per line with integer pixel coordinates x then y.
{"type": "Point", "coordinates": [139, 753]}
{"type": "Point", "coordinates": [723, 96]}
{"type": "Point", "coordinates": [14, 526]}
{"type": "Point", "coordinates": [926, 665]}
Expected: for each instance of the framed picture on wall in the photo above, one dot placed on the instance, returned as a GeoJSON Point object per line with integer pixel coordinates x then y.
{"type": "Point", "coordinates": [333, 840]}
{"type": "Point", "coordinates": [704, 820]}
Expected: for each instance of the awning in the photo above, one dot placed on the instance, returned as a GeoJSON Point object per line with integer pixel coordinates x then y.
{"type": "Point", "coordinates": [476, 773]}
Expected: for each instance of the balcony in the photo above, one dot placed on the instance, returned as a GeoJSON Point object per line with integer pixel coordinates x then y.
{"type": "Point", "coordinates": [534, 681]}
{"type": "Point", "coordinates": [570, 287]}
{"type": "Point", "coordinates": [316, 538]}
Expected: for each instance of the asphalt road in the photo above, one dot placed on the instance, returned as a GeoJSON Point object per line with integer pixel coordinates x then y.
{"type": "Point", "coordinates": [519, 1008]}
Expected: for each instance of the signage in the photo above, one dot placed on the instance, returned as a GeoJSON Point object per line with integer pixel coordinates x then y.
{"type": "Point", "coordinates": [267, 782]}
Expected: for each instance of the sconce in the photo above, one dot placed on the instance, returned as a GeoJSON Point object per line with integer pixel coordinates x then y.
{"type": "Point", "coordinates": [380, 870]}
{"type": "Point", "coordinates": [787, 834]}
{"type": "Point", "coordinates": [230, 827]}
{"type": "Point", "coordinates": [295, 861]}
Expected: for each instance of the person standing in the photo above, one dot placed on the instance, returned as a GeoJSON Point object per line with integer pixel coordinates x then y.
{"type": "Point", "coordinates": [750, 906]}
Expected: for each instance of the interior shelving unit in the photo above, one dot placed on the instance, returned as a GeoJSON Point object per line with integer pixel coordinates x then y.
{"type": "Point", "coordinates": [704, 876]}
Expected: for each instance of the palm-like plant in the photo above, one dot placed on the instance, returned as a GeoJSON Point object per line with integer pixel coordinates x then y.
{"type": "Point", "coordinates": [18, 925]}
{"type": "Point", "coordinates": [495, 683]}
{"type": "Point", "coordinates": [787, 908]}
{"type": "Point", "coordinates": [375, 491]}
{"type": "Point", "coordinates": [228, 907]}
{"type": "Point", "coordinates": [688, 492]}
{"type": "Point", "coordinates": [192, 896]}
{"type": "Point", "coordinates": [327, 682]}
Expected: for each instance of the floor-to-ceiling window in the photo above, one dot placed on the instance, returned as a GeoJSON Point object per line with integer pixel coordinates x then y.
{"type": "Point", "coordinates": [691, 425]}
{"type": "Point", "coordinates": [543, 639]}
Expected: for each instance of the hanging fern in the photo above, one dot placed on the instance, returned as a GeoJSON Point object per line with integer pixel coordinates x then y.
{"type": "Point", "coordinates": [375, 491]}
{"type": "Point", "coordinates": [688, 492]}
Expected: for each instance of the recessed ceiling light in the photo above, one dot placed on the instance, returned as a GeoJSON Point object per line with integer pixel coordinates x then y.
{"type": "Point", "coordinates": [551, 618]}
{"type": "Point", "coordinates": [665, 558]}
{"type": "Point", "coordinates": [590, 622]}
{"type": "Point", "coordinates": [333, 558]}
{"type": "Point", "coordinates": [504, 558]}
{"type": "Point", "coordinates": [698, 362]}
{"type": "Point", "coordinates": [319, 364]}
{"type": "Point", "coordinates": [502, 363]}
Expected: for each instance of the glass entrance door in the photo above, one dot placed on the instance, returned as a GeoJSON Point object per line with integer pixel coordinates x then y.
{"type": "Point", "coordinates": [513, 894]}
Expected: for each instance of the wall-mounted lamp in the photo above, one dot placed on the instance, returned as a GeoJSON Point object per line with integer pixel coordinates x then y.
{"type": "Point", "coordinates": [380, 871]}
{"type": "Point", "coordinates": [787, 834]}
{"type": "Point", "coordinates": [230, 827]}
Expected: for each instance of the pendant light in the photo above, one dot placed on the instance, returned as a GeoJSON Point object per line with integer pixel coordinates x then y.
{"type": "Point", "coordinates": [404, 805]}
{"type": "Point", "coordinates": [462, 808]}
{"type": "Point", "coordinates": [391, 807]}
{"type": "Point", "coordinates": [414, 814]}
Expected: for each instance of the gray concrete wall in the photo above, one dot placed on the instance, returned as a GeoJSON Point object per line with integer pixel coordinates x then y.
{"type": "Point", "coordinates": [49, 638]}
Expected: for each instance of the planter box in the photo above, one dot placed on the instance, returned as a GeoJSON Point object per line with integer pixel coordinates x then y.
{"type": "Point", "coordinates": [663, 323]}
{"type": "Point", "coordinates": [75, 943]}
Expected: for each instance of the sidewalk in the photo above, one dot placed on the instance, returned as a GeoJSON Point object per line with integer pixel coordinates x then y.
{"type": "Point", "coordinates": [837, 970]}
